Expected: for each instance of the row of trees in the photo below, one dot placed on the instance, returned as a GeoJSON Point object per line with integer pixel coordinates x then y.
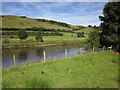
{"type": "Point", "coordinates": [37, 29]}
{"type": "Point", "coordinates": [34, 33]}
{"type": "Point", "coordinates": [55, 22]}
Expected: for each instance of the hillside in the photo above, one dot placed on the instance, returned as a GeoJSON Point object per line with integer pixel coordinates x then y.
{"type": "Point", "coordinates": [9, 21]}
{"type": "Point", "coordinates": [86, 30]}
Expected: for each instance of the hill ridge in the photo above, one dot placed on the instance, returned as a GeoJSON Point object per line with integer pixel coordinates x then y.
{"type": "Point", "coordinates": [12, 21]}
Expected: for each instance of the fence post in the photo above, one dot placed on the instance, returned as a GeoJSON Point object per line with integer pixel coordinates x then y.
{"type": "Point", "coordinates": [44, 54]}
{"type": "Point", "coordinates": [65, 53]}
{"type": "Point", "coordinates": [103, 48]}
{"type": "Point", "coordinates": [93, 49]}
{"type": "Point", "coordinates": [80, 51]}
{"type": "Point", "coordinates": [111, 48]}
{"type": "Point", "coordinates": [14, 60]}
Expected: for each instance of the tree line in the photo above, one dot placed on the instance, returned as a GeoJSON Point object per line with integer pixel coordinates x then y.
{"type": "Point", "coordinates": [55, 22]}
{"type": "Point", "coordinates": [34, 33]}
{"type": "Point", "coordinates": [36, 29]}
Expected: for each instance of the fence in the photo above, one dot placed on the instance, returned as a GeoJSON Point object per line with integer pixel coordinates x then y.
{"type": "Point", "coordinates": [65, 54]}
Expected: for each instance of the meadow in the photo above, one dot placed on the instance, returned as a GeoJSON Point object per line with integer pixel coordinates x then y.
{"type": "Point", "coordinates": [98, 70]}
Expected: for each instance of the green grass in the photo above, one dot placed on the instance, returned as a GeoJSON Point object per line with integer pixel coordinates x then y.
{"type": "Point", "coordinates": [86, 30]}
{"type": "Point", "coordinates": [9, 21]}
{"type": "Point", "coordinates": [97, 70]}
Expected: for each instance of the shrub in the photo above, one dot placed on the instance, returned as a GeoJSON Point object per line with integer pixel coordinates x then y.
{"type": "Point", "coordinates": [22, 34]}
{"type": "Point", "coordinates": [94, 39]}
{"type": "Point", "coordinates": [80, 34]}
{"type": "Point", "coordinates": [39, 36]}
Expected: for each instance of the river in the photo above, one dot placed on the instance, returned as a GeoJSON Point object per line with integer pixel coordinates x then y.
{"type": "Point", "coordinates": [30, 54]}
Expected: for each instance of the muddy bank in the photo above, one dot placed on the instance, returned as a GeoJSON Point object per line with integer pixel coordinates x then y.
{"type": "Point", "coordinates": [28, 46]}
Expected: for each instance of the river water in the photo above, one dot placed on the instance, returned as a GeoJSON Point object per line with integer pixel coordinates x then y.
{"type": "Point", "coordinates": [30, 54]}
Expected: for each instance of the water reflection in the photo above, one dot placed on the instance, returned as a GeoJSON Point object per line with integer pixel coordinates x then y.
{"type": "Point", "coordinates": [39, 52]}
{"type": "Point", "coordinates": [23, 54]}
{"type": "Point", "coordinates": [36, 53]}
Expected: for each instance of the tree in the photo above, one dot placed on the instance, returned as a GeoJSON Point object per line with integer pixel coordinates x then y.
{"type": "Point", "coordinates": [110, 24]}
{"type": "Point", "coordinates": [39, 36]}
{"type": "Point", "coordinates": [80, 34]}
{"type": "Point", "coordinates": [22, 34]}
{"type": "Point", "coordinates": [94, 39]}
{"type": "Point", "coordinates": [89, 25]}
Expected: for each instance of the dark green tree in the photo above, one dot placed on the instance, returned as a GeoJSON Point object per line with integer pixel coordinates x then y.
{"type": "Point", "coordinates": [94, 39]}
{"type": "Point", "coordinates": [80, 34]}
{"type": "Point", "coordinates": [110, 24]}
{"type": "Point", "coordinates": [22, 34]}
{"type": "Point", "coordinates": [39, 36]}
{"type": "Point", "coordinates": [89, 25]}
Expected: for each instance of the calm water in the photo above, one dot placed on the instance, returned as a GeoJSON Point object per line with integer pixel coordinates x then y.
{"type": "Point", "coordinates": [30, 54]}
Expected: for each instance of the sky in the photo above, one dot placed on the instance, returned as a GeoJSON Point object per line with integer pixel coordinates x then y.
{"type": "Point", "coordinates": [75, 13]}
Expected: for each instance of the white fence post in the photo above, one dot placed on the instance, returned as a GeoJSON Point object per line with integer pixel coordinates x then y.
{"type": "Point", "coordinates": [110, 48]}
{"type": "Point", "coordinates": [14, 60]}
{"type": "Point", "coordinates": [44, 54]}
{"type": "Point", "coordinates": [65, 53]}
{"type": "Point", "coordinates": [80, 51]}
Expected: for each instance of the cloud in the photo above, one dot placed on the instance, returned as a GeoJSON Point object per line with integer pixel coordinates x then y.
{"type": "Point", "coordinates": [56, 0]}
{"type": "Point", "coordinates": [77, 13]}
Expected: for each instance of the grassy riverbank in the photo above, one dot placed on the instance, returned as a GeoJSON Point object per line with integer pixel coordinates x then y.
{"type": "Point", "coordinates": [99, 70]}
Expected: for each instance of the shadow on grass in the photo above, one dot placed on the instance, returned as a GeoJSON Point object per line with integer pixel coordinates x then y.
{"type": "Point", "coordinates": [35, 82]}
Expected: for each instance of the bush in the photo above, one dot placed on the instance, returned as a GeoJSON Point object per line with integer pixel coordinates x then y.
{"type": "Point", "coordinates": [94, 39]}
{"type": "Point", "coordinates": [39, 36]}
{"type": "Point", "coordinates": [80, 34]}
{"type": "Point", "coordinates": [22, 34]}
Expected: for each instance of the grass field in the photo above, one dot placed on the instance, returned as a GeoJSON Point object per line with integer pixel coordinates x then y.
{"type": "Point", "coordinates": [66, 38]}
{"type": "Point", "coordinates": [99, 70]}
{"type": "Point", "coordinates": [9, 21]}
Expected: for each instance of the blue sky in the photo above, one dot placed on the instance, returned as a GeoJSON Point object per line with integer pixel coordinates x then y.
{"type": "Point", "coordinates": [76, 13]}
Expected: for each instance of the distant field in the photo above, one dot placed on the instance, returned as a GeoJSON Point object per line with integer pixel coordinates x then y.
{"type": "Point", "coordinates": [99, 70]}
{"type": "Point", "coordinates": [66, 38]}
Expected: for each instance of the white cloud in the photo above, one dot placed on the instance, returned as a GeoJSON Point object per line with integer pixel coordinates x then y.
{"type": "Point", "coordinates": [77, 16]}
{"type": "Point", "coordinates": [55, 0]}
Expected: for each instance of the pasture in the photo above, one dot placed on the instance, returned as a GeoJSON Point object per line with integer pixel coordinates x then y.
{"type": "Point", "coordinates": [99, 70]}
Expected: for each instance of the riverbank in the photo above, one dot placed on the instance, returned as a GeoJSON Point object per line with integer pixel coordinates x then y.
{"type": "Point", "coordinates": [99, 70]}
{"type": "Point", "coordinates": [45, 43]}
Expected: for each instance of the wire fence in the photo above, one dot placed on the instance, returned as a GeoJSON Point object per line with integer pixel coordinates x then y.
{"type": "Point", "coordinates": [44, 58]}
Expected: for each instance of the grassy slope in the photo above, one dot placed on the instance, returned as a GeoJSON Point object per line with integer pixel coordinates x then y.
{"type": "Point", "coordinates": [88, 71]}
{"type": "Point", "coordinates": [86, 30]}
{"type": "Point", "coordinates": [18, 22]}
